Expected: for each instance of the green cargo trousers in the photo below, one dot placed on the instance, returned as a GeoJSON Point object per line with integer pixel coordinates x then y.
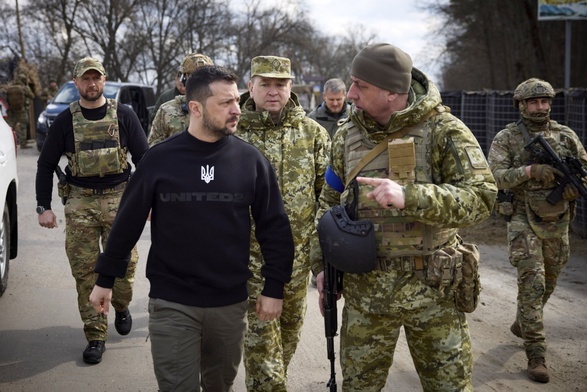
{"type": "Point", "coordinates": [89, 219]}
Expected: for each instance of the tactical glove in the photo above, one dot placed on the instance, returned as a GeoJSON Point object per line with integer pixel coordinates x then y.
{"type": "Point", "coordinates": [570, 192]}
{"type": "Point", "coordinates": [544, 173]}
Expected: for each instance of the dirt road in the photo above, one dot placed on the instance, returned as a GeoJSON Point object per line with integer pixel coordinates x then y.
{"type": "Point", "coordinates": [41, 340]}
{"type": "Point", "coordinates": [499, 358]}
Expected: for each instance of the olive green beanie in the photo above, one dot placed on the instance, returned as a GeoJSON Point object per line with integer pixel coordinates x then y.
{"type": "Point", "coordinates": [384, 66]}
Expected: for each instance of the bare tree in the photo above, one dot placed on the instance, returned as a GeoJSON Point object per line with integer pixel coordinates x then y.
{"type": "Point", "coordinates": [331, 57]}
{"type": "Point", "coordinates": [146, 40]}
{"type": "Point", "coordinates": [267, 31]}
{"type": "Point", "coordinates": [106, 29]}
{"type": "Point", "coordinates": [500, 43]}
{"type": "Point", "coordinates": [51, 36]}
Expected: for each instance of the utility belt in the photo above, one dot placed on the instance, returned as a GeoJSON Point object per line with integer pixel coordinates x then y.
{"type": "Point", "coordinates": [453, 269]}
{"type": "Point", "coordinates": [96, 191]}
{"type": "Point", "coordinates": [402, 263]}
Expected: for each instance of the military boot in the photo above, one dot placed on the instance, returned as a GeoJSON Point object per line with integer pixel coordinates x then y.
{"type": "Point", "coordinates": [537, 370]}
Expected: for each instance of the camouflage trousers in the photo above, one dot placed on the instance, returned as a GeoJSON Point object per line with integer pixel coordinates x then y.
{"type": "Point", "coordinates": [377, 305]}
{"type": "Point", "coordinates": [88, 223]}
{"type": "Point", "coordinates": [539, 262]}
{"type": "Point", "coordinates": [270, 346]}
{"type": "Point", "coordinates": [19, 121]}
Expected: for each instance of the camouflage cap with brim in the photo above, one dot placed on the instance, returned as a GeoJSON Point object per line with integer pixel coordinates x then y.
{"type": "Point", "coordinates": [271, 67]}
{"type": "Point", "coordinates": [86, 64]}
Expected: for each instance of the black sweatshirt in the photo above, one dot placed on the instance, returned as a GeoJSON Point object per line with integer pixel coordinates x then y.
{"type": "Point", "coordinates": [201, 197]}
{"type": "Point", "coordinates": [60, 140]}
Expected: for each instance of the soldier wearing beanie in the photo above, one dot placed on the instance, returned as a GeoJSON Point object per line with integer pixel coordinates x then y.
{"type": "Point", "coordinates": [403, 162]}
{"type": "Point", "coordinates": [273, 120]}
{"type": "Point", "coordinates": [538, 236]}
{"type": "Point", "coordinates": [172, 115]}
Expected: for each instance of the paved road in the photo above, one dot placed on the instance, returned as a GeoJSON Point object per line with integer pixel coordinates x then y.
{"type": "Point", "coordinates": [41, 339]}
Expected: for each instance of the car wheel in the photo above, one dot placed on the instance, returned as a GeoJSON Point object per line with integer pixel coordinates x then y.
{"type": "Point", "coordinates": [4, 249]}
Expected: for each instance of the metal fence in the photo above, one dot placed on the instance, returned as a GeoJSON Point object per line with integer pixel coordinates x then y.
{"type": "Point", "coordinates": [488, 112]}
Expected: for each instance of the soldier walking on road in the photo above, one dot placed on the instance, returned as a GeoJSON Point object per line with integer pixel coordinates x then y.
{"type": "Point", "coordinates": [95, 134]}
{"type": "Point", "coordinates": [538, 231]}
{"type": "Point", "coordinates": [20, 96]}
{"type": "Point", "coordinates": [429, 178]}
{"type": "Point", "coordinates": [173, 116]}
{"type": "Point", "coordinates": [274, 121]}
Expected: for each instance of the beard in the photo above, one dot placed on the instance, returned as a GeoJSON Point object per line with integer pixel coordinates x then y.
{"type": "Point", "coordinates": [538, 117]}
{"type": "Point", "coordinates": [91, 98]}
{"type": "Point", "coordinates": [214, 129]}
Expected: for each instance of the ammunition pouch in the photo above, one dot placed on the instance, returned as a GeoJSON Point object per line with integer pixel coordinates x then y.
{"type": "Point", "coordinates": [542, 210]}
{"type": "Point", "coordinates": [347, 245]}
{"type": "Point", "coordinates": [468, 290]}
{"type": "Point", "coordinates": [456, 270]}
{"type": "Point", "coordinates": [63, 190]}
{"type": "Point", "coordinates": [505, 204]}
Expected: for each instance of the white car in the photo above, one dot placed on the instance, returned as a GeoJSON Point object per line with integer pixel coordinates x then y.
{"type": "Point", "coordinates": [8, 195]}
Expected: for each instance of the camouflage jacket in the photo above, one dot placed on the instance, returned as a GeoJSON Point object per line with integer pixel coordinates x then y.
{"type": "Point", "coordinates": [462, 191]}
{"type": "Point", "coordinates": [165, 96]}
{"type": "Point", "coordinates": [507, 159]}
{"type": "Point", "coordinates": [298, 150]}
{"type": "Point", "coordinates": [28, 98]}
{"type": "Point", "coordinates": [171, 118]}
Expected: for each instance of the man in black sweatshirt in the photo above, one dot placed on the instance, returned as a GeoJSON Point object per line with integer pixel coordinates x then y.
{"type": "Point", "coordinates": [201, 186]}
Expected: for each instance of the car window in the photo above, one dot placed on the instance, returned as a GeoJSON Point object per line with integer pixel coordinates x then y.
{"type": "Point", "coordinates": [110, 90]}
{"type": "Point", "coordinates": [67, 94]}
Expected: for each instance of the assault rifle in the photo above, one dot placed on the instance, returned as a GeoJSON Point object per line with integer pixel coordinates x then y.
{"type": "Point", "coordinates": [571, 167]}
{"type": "Point", "coordinates": [332, 286]}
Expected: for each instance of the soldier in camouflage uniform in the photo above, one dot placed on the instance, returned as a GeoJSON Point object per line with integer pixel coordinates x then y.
{"type": "Point", "coordinates": [173, 116]}
{"type": "Point", "coordinates": [429, 181]}
{"type": "Point", "coordinates": [538, 232]}
{"type": "Point", "coordinates": [95, 134]}
{"type": "Point", "coordinates": [21, 96]}
{"type": "Point", "coordinates": [273, 120]}
{"type": "Point", "coordinates": [49, 93]}
{"type": "Point", "coordinates": [168, 95]}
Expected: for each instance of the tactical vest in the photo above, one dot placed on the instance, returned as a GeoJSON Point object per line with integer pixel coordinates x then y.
{"type": "Point", "coordinates": [97, 144]}
{"type": "Point", "coordinates": [15, 97]}
{"type": "Point", "coordinates": [404, 161]}
{"type": "Point", "coordinates": [533, 196]}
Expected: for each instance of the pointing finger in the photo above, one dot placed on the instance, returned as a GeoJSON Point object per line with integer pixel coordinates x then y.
{"type": "Point", "coordinates": [370, 181]}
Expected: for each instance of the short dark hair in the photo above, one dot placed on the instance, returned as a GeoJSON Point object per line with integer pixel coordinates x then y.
{"type": "Point", "coordinates": [198, 84]}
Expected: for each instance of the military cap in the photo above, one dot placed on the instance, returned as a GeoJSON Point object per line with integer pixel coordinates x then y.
{"type": "Point", "coordinates": [85, 64]}
{"type": "Point", "coordinates": [271, 67]}
{"type": "Point", "coordinates": [193, 61]}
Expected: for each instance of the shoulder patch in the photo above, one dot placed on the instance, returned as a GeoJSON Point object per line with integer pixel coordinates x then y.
{"type": "Point", "coordinates": [476, 157]}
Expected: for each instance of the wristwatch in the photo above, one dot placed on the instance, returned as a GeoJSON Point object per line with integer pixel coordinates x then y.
{"type": "Point", "coordinates": [40, 210]}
